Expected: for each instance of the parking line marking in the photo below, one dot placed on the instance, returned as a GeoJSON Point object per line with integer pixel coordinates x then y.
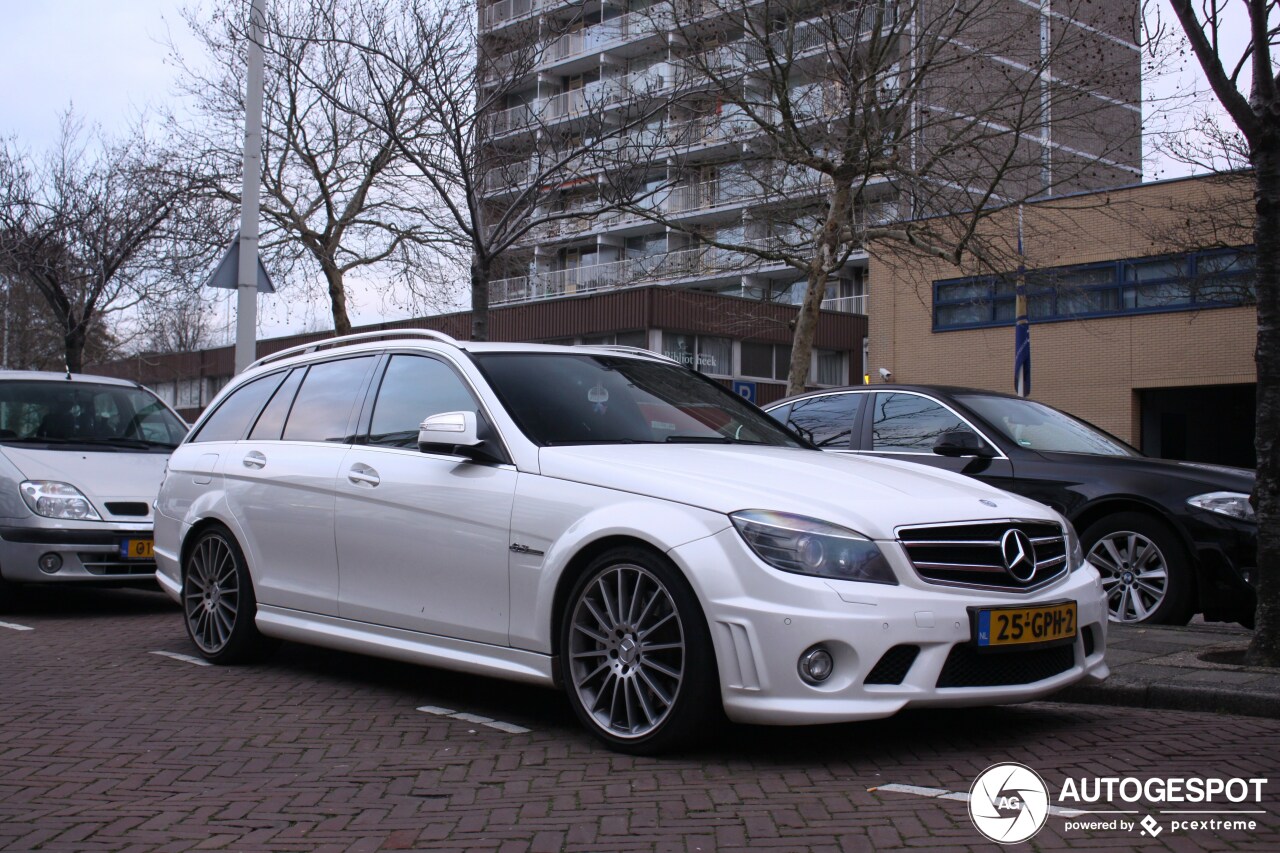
{"type": "Point", "coordinates": [509, 728]}
{"type": "Point", "coordinates": [13, 626]}
{"type": "Point", "coordinates": [184, 658]}
{"type": "Point", "coordinates": [944, 794]}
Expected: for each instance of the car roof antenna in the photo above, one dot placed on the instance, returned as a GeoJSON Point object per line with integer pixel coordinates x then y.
{"type": "Point", "coordinates": [68, 367]}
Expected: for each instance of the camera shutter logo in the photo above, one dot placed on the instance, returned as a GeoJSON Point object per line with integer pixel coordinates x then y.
{"type": "Point", "coordinates": [1008, 803]}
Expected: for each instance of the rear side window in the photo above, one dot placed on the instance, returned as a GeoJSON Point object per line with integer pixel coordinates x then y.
{"type": "Point", "coordinates": [413, 389]}
{"type": "Point", "coordinates": [230, 421]}
{"type": "Point", "coordinates": [826, 421]}
{"type": "Point", "coordinates": [323, 408]}
{"type": "Point", "coordinates": [271, 424]}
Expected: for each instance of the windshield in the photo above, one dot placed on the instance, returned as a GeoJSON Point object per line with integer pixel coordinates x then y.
{"type": "Point", "coordinates": [589, 399]}
{"type": "Point", "coordinates": [57, 414]}
{"type": "Point", "coordinates": [1036, 426]}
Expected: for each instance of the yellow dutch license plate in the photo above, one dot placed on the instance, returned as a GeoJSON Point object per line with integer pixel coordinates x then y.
{"type": "Point", "coordinates": [999, 627]}
{"type": "Point", "coordinates": [138, 549]}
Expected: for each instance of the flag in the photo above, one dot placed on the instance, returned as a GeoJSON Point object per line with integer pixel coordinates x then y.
{"type": "Point", "coordinates": [1022, 326]}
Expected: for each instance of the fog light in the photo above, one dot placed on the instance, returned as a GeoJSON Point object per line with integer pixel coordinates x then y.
{"type": "Point", "coordinates": [816, 665]}
{"type": "Point", "coordinates": [50, 563]}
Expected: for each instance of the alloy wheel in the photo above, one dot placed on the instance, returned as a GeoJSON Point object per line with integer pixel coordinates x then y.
{"type": "Point", "coordinates": [212, 594]}
{"type": "Point", "coordinates": [1135, 575]}
{"type": "Point", "coordinates": [627, 656]}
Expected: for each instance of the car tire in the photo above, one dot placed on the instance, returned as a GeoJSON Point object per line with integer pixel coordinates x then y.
{"type": "Point", "coordinates": [635, 654]}
{"type": "Point", "coordinates": [1146, 571]}
{"type": "Point", "coordinates": [218, 602]}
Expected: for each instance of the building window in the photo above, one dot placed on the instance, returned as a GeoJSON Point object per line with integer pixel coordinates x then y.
{"type": "Point", "coordinates": [1209, 279]}
{"type": "Point", "coordinates": [830, 367]}
{"type": "Point", "coordinates": [766, 361]}
{"type": "Point", "coordinates": [622, 339]}
{"type": "Point", "coordinates": [703, 353]}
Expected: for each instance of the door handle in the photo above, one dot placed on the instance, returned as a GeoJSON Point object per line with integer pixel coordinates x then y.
{"type": "Point", "coordinates": [254, 459]}
{"type": "Point", "coordinates": [363, 475]}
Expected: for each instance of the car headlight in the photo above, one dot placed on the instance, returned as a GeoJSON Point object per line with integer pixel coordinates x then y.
{"type": "Point", "coordinates": [1233, 504]}
{"type": "Point", "coordinates": [807, 546]}
{"type": "Point", "coordinates": [58, 500]}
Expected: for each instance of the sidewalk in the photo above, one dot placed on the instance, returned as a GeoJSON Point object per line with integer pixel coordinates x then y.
{"type": "Point", "coordinates": [1198, 667]}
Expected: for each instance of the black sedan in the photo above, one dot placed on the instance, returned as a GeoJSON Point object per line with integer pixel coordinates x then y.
{"type": "Point", "coordinates": [1171, 539]}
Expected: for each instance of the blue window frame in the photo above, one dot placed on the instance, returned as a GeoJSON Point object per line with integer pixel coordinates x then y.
{"type": "Point", "coordinates": [1188, 282]}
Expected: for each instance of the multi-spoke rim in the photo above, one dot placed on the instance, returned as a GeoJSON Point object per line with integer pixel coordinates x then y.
{"type": "Point", "coordinates": [1134, 573]}
{"type": "Point", "coordinates": [626, 651]}
{"type": "Point", "coordinates": [212, 594]}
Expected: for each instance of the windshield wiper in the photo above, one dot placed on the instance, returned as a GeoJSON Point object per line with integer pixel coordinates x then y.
{"type": "Point", "coordinates": [709, 439]}
{"type": "Point", "coordinates": [32, 439]}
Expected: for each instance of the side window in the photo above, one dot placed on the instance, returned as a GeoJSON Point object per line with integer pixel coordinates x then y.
{"type": "Point", "coordinates": [271, 424]}
{"type": "Point", "coordinates": [230, 421]}
{"type": "Point", "coordinates": [908, 423]}
{"type": "Point", "coordinates": [322, 409]}
{"type": "Point", "coordinates": [826, 421]}
{"type": "Point", "coordinates": [413, 389]}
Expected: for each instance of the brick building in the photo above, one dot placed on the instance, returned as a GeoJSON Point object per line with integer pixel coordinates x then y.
{"type": "Point", "coordinates": [1140, 307]}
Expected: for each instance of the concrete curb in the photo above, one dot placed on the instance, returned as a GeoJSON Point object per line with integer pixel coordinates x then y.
{"type": "Point", "coordinates": [1172, 697]}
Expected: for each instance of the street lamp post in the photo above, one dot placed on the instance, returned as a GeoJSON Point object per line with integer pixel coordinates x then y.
{"type": "Point", "coordinates": [247, 274]}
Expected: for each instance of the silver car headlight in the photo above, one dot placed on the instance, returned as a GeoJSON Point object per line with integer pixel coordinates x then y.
{"type": "Point", "coordinates": [807, 546]}
{"type": "Point", "coordinates": [52, 499]}
{"type": "Point", "coordinates": [1234, 504]}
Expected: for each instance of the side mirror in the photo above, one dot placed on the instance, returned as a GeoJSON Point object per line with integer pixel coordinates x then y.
{"type": "Point", "coordinates": [452, 432]}
{"type": "Point", "coordinates": [962, 442]}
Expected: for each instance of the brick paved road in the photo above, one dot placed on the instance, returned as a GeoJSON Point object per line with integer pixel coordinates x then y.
{"type": "Point", "coordinates": [106, 746]}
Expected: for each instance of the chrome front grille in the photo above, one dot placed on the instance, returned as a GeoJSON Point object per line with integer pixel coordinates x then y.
{"type": "Point", "coordinates": [987, 554]}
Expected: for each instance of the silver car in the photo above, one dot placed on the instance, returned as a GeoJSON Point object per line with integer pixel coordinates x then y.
{"type": "Point", "coordinates": [81, 460]}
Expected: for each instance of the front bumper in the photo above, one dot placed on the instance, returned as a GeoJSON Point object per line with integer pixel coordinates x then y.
{"type": "Point", "coordinates": [84, 554]}
{"type": "Point", "coordinates": [1226, 559]}
{"type": "Point", "coordinates": [762, 620]}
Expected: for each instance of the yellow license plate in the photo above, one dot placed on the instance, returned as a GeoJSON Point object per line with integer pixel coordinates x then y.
{"type": "Point", "coordinates": [138, 549]}
{"type": "Point", "coordinates": [1020, 626]}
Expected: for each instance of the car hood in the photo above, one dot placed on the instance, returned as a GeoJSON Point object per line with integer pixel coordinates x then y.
{"type": "Point", "coordinates": [1198, 476]}
{"type": "Point", "coordinates": [871, 496]}
{"type": "Point", "coordinates": [101, 476]}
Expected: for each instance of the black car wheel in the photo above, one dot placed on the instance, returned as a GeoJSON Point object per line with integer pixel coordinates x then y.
{"type": "Point", "coordinates": [636, 654]}
{"type": "Point", "coordinates": [1146, 572]}
{"type": "Point", "coordinates": [218, 600]}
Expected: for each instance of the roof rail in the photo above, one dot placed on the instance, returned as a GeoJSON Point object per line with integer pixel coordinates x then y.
{"type": "Point", "coordinates": [657, 356]}
{"type": "Point", "coordinates": [351, 339]}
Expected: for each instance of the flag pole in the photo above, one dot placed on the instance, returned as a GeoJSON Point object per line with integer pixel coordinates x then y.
{"type": "Point", "coordinates": [1022, 324]}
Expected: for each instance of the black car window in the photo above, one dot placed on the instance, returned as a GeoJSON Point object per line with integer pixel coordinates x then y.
{"type": "Point", "coordinates": [414, 388]}
{"type": "Point", "coordinates": [910, 423]}
{"type": "Point", "coordinates": [230, 421]}
{"type": "Point", "coordinates": [271, 424]}
{"type": "Point", "coordinates": [827, 421]}
{"type": "Point", "coordinates": [322, 409]}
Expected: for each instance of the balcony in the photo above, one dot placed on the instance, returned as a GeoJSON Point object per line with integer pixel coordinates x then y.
{"type": "Point", "coordinates": [682, 264]}
{"type": "Point", "coordinates": [846, 304]}
{"type": "Point", "coordinates": [628, 27]}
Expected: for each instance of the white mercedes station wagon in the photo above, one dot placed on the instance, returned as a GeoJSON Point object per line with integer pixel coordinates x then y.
{"type": "Point", "coordinates": [606, 520]}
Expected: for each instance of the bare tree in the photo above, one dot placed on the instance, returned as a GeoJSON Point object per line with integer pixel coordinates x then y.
{"type": "Point", "coordinates": [1247, 85]}
{"type": "Point", "coordinates": [495, 151]}
{"type": "Point", "coordinates": [906, 121]}
{"type": "Point", "coordinates": [93, 227]}
{"type": "Point", "coordinates": [337, 195]}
